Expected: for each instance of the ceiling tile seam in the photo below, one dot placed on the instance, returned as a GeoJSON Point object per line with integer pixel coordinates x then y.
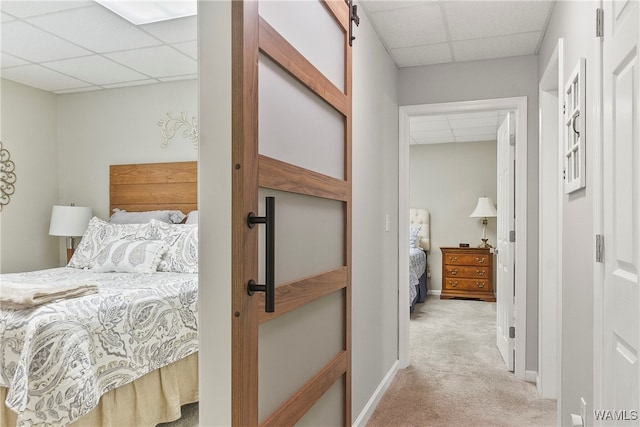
{"type": "Point", "coordinates": [498, 36]}
{"type": "Point", "coordinates": [25, 21]}
{"type": "Point", "coordinates": [128, 67]}
{"type": "Point", "coordinates": [181, 52]}
{"type": "Point", "coordinates": [445, 21]}
{"type": "Point", "coordinates": [47, 13]}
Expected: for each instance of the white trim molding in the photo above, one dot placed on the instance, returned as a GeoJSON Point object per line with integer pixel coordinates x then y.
{"type": "Point", "coordinates": [367, 411]}
{"type": "Point", "coordinates": [519, 105]}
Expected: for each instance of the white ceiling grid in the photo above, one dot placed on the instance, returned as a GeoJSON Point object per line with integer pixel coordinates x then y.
{"type": "Point", "coordinates": [72, 46]}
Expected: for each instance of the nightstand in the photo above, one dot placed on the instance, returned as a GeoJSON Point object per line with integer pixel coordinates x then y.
{"type": "Point", "coordinates": [467, 273]}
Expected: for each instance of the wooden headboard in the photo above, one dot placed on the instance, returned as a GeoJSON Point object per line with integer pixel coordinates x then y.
{"type": "Point", "coordinates": [154, 186]}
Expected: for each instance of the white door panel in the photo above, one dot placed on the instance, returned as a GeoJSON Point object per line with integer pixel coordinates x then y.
{"type": "Point", "coordinates": [505, 257]}
{"type": "Point", "coordinates": [619, 369]}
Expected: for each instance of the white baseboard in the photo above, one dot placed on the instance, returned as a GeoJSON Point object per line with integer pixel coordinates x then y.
{"type": "Point", "coordinates": [371, 405]}
{"type": "Point", "coordinates": [531, 376]}
{"type": "Point", "coordinates": [434, 292]}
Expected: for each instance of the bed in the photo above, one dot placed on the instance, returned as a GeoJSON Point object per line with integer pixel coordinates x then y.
{"type": "Point", "coordinates": [125, 352]}
{"type": "Point", "coordinates": [419, 246]}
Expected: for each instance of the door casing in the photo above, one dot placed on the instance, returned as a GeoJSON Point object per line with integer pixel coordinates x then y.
{"type": "Point", "coordinates": [519, 105]}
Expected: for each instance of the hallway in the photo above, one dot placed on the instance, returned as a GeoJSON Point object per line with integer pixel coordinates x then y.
{"type": "Point", "coordinates": [456, 375]}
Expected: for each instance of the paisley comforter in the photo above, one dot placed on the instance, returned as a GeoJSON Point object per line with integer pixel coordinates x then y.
{"type": "Point", "coordinates": [57, 359]}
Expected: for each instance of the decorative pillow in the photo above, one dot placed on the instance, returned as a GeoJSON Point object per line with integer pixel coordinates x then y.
{"type": "Point", "coordinates": [124, 217]}
{"type": "Point", "coordinates": [414, 230]}
{"type": "Point", "coordinates": [182, 240]}
{"type": "Point", "coordinates": [99, 233]}
{"type": "Point", "coordinates": [130, 256]}
{"type": "Point", "coordinates": [192, 218]}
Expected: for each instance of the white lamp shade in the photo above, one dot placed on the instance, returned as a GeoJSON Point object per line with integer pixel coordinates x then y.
{"type": "Point", "coordinates": [484, 208]}
{"type": "Point", "coordinates": [69, 221]}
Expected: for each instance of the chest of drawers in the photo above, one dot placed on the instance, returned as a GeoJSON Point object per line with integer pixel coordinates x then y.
{"type": "Point", "coordinates": [467, 273]}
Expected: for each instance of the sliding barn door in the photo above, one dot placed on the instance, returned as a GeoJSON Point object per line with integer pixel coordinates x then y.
{"type": "Point", "coordinates": [291, 213]}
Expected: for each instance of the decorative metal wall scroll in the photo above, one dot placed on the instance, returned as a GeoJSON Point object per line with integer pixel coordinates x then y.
{"type": "Point", "coordinates": [171, 124]}
{"type": "Point", "coordinates": [7, 176]}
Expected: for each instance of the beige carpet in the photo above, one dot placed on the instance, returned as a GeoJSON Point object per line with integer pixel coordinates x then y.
{"type": "Point", "coordinates": [456, 376]}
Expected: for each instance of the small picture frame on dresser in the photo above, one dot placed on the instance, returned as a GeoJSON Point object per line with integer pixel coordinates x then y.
{"type": "Point", "coordinates": [464, 245]}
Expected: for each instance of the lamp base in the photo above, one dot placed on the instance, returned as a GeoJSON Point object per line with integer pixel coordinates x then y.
{"type": "Point", "coordinates": [484, 244]}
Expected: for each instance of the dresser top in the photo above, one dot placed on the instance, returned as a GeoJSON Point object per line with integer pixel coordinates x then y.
{"type": "Point", "coordinates": [470, 249]}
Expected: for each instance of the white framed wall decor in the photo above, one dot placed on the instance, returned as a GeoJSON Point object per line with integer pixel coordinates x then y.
{"type": "Point", "coordinates": [575, 129]}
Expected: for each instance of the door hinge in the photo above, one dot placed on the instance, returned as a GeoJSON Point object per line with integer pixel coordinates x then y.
{"type": "Point", "coordinates": [512, 331]}
{"type": "Point", "coordinates": [564, 109]}
{"type": "Point", "coordinates": [599, 248]}
{"type": "Point", "coordinates": [512, 236]}
{"type": "Point", "coordinates": [512, 140]}
{"type": "Point", "coordinates": [599, 22]}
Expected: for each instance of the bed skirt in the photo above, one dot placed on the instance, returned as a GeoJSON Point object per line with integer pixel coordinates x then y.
{"type": "Point", "coordinates": [152, 399]}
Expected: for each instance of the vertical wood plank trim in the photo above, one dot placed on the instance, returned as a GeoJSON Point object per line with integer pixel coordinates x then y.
{"type": "Point", "coordinates": [244, 335]}
{"type": "Point", "coordinates": [295, 64]}
{"type": "Point", "coordinates": [296, 407]}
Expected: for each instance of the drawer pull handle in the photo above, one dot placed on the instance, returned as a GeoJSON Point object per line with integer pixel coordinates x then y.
{"type": "Point", "coordinates": [480, 260]}
{"type": "Point", "coordinates": [454, 271]}
{"type": "Point", "coordinates": [480, 285]}
{"type": "Point", "coordinates": [453, 258]}
{"type": "Point", "coordinates": [480, 272]}
{"type": "Point", "coordinates": [453, 284]}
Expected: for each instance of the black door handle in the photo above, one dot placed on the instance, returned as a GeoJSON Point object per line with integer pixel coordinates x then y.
{"type": "Point", "coordinates": [269, 286]}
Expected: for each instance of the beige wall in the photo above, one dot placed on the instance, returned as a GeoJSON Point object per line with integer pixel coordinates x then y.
{"type": "Point", "coordinates": [447, 180]}
{"type": "Point", "coordinates": [28, 128]}
{"type": "Point", "coordinates": [116, 126]}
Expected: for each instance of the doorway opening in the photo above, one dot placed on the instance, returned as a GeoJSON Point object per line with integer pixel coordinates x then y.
{"type": "Point", "coordinates": [519, 106]}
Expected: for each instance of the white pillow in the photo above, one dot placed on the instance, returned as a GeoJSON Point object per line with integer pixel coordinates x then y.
{"type": "Point", "coordinates": [124, 217]}
{"type": "Point", "coordinates": [182, 240]}
{"type": "Point", "coordinates": [414, 230]}
{"type": "Point", "coordinates": [100, 233]}
{"type": "Point", "coordinates": [130, 256]}
{"type": "Point", "coordinates": [192, 218]}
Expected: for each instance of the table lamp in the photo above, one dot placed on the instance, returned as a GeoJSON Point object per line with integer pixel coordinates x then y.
{"type": "Point", "coordinates": [485, 208]}
{"type": "Point", "coordinates": [69, 221]}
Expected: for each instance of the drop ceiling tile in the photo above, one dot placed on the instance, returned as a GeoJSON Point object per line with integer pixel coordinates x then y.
{"type": "Point", "coordinates": [476, 19]}
{"type": "Point", "coordinates": [188, 48]}
{"type": "Point", "coordinates": [95, 69]}
{"type": "Point", "coordinates": [30, 43]}
{"type": "Point", "coordinates": [5, 17]}
{"type": "Point", "coordinates": [431, 125]}
{"type": "Point", "coordinates": [11, 61]}
{"type": "Point", "coordinates": [134, 83]}
{"type": "Point", "coordinates": [496, 47]}
{"type": "Point", "coordinates": [380, 6]}
{"type": "Point", "coordinates": [174, 30]}
{"type": "Point", "coordinates": [161, 61]}
{"type": "Point", "coordinates": [25, 9]}
{"type": "Point", "coordinates": [476, 138]}
{"type": "Point", "coordinates": [484, 130]}
{"type": "Point", "coordinates": [411, 26]}
{"type": "Point", "coordinates": [474, 122]}
{"type": "Point", "coordinates": [95, 28]}
{"type": "Point", "coordinates": [421, 55]}
{"type": "Point", "coordinates": [431, 133]}
{"type": "Point", "coordinates": [41, 78]}
{"type": "Point", "coordinates": [438, 140]}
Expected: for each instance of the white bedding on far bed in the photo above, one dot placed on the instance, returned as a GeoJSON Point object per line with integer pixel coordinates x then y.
{"type": "Point", "coordinates": [57, 359]}
{"type": "Point", "coordinates": [417, 267]}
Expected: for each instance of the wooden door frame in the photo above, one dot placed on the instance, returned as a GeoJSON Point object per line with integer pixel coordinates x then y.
{"type": "Point", "coordinates": [519, 105]}
{"type": "Point", "coordinates": [252, 35]}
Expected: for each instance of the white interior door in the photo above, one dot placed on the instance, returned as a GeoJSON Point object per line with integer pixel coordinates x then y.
{"type": "Point", "coordinates": [618, 368]}
{"type": "Point", "coordinates": [505, 256]}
